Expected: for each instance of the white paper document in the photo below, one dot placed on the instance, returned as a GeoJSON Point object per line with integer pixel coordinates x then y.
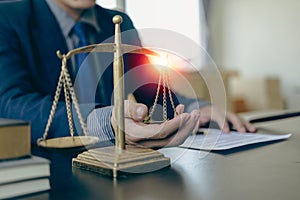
{"type": "Point", "coordinates": [214, 139]}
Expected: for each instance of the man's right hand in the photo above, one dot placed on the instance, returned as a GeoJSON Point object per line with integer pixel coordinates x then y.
{"type": "Point", "coordinates": [170, 133]}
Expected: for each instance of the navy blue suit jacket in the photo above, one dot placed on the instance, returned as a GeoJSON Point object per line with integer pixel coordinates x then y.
{"type": "Point", "coordinates": [29, 67]}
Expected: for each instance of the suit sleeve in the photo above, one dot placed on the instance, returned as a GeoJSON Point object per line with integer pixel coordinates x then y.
{"type": "Point", "coordinates": [19, 98]}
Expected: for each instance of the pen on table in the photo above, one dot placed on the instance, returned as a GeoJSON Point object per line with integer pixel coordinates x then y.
{"type": "Point", "coordinates": [275, 117]}
{"type": "Point", "coordinates": [204, 132]}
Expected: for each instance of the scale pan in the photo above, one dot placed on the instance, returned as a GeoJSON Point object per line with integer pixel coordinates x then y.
{"type": "Point", "coordinates": [68, 142]}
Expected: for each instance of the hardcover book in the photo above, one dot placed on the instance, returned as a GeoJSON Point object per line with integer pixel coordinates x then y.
{"type": "Point", "coordinates": [14, 138]}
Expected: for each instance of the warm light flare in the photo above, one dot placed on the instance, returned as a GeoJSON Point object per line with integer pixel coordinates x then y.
{"type": "Point", "coordinates": [160, 61]}
{"type": "Point", "coordinates": [168, 60]}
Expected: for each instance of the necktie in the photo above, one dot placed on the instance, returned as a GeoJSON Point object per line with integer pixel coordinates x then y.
{"type": "Point", "coordinates": [80, 30]}
{"type": "Point", "coordinates": [84, 81]}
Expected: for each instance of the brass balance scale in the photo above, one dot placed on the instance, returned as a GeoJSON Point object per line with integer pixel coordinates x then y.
{"type": "Point", "coordinates": [120, 158]}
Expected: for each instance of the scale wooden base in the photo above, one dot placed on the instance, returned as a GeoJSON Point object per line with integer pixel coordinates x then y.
{"type": "Point", "coordinates": [113, 162]}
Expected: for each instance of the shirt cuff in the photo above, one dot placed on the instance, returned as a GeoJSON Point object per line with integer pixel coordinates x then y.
{"type": "Point", "coordinates": [99, 125]}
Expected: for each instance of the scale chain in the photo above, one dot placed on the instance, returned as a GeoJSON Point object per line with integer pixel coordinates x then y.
{"type": "Point", "coordinates": [165, 117]}
{"type": "Point", "coordinates": [54, 104]}
{"type": "Point", "coordinates": [171, 97]}
{"type": "Point", "coordinates": [156, 98]}
{"type": "Point", "coordinates": [68, 106]}
{"type": "Point", "coordinates": [65, 81]}
{"type": "Point", "coordinates": [73, 96]}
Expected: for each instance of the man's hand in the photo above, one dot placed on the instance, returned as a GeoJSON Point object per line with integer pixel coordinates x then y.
{"type": "Point", "coordinates": [223, 119]}
{"type": "Point", "coordinates": [170, 133]}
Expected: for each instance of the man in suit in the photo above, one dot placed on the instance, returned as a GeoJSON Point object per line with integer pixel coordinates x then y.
{"type": "Point", "coordinates": [31, 33]}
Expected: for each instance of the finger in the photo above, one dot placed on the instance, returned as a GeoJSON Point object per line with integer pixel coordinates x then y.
{"type": "Point", "coordinates": [250, 127]}
{"type": "Point", "coordinates": [196, 115]}
{"type": "Point", "coordinates": [222, 122]}
{"type": "Point", "coordinates": [180, 109]}
{"type": "Point", "coordinates": [240, 124]}
{"type": "Point", "coordinates": [174, 140]}
{"type": "Point", "coordinates": [177, 138]}
{"type": "Point", "coordinates": [206, 114]}
{"type": "Point", "coordinates": [135, 111]}
{"type": "Point", "coordinates": [141, 131]}
{"type": "Point", "coordinates": [191, 126]}
{"type": "Point", "coordinates": [137, 131]}
{"type": "Point", "coordinates": [236, 122]}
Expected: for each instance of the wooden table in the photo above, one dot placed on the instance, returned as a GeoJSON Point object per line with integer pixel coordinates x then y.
{"type": "Point", "coordinates": [263, 171]}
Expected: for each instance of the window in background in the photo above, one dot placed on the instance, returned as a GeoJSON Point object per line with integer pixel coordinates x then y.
{"type": "Point", "coordinates": [176, 15]}
{"type": "Point", "coordinates": [111, 4]}
{"type": "Point", "coordinates": [183, 17]}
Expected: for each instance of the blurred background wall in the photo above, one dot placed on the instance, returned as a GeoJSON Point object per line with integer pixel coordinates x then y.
{"type": "Point", "coordinates": [257, 39]}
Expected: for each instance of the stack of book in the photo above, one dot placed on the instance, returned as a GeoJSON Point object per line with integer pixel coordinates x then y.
{"type": "Point", "coordinates": [20, 172]}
